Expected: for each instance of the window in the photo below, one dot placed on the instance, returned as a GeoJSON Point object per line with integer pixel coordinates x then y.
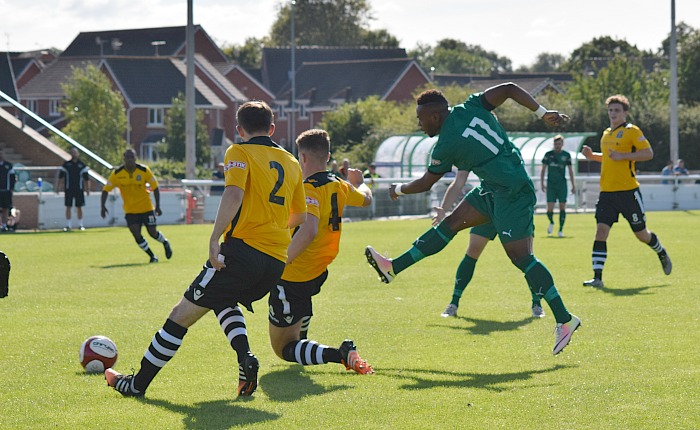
{"type": "Point", "coordinates": [281, 111]}
{"type": "Point", "coordinates": [302, 111]}
{"type": "Point", "coordinates": [31, 105]}
{"type": "Point", "coordinates": [155, 116]}
{"type": "Point", "coordinates": [54, 104]}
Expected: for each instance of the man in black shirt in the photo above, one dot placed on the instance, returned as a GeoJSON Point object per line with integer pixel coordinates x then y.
{"type": "Point", "coordinates": [7, 185]}
{"type": "Point", "coordinates": [75, 178]}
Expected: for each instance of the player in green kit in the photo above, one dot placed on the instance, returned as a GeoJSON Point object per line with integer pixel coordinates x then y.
{"type": "Point", "coordinates": [472, 139]}
{"type": "Point", "coordinates": [556, 161]}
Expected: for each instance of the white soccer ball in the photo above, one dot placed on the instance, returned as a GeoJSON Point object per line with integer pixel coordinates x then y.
{"type": "Point", "coordinates": [97, 353]}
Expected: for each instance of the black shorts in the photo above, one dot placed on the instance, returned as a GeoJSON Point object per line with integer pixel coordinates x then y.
{"type": "Point", "coordinates": [291, 301]}
{"type": "Point", "coordinates": [628, 203]}
{"type": "Point", "coordinates": [6, 199]}
{"type": "Point", "coordinates": [77, 195]}
{"type": "Point", "coordinates": [148, 219]}
{"type": "Point", "coordinates": [249, 275]}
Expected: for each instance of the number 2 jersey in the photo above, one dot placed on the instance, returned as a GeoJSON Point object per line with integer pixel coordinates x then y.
{"type": "Point", "coordinates": [271, 179]}
{"type": "Point", "coordinates": [472, 139]}
{"type": "Point", "coordinates": [326, 198]}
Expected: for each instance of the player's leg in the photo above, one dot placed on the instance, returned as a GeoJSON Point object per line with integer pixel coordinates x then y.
{"type": "Point", "coordinates": [164, 345]}
{"type": "Point", "coordinates": [4, 275]}
{"type": "Point", "coordinates": [465, 270]}
{"type": "Point", "coordinates": [562, 216]}
{"type": "Point", "coordinates": [5, 205]}
{"type": "Point", "coordinates": [134, 222]}
{"type": "Point", "coordinates": [79, 203]}
{"type": "Point", "coordinates": [152, 228]}
{"type": "Point", "coordinates": [550, 213]}
{"type": "Point", "coordinates": [68, 202]}
{"type": "Point", "coordinates": [304, 329]}
{"type": "Point", "coordinates": [637, 220]}
{"type": "Point", "coordinates": [431, 242]}
{"type": "Point", "coordinates": [606, 214]}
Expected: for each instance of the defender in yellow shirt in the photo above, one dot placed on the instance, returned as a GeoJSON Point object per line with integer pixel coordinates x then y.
{"type": "Point", "coordinates": [622, 145]}
{"type": "Point", "coordinates": [136, 183]}
{"type": "Point", "coordinates": [314, 246]}
{"type": "Point", "coordinates": [262, 200]}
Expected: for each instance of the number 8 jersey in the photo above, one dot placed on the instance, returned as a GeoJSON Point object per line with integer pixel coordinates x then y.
{"type": "Point", "coordinates": [271, 179]}
{"type": "Point", "coordinates": [472, 139]}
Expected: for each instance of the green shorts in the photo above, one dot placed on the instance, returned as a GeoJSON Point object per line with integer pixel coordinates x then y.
{"type": "Point", "coordinates": [484, 230]}
{"type": "Point", "coordinates": [557, 192]}
{"type": "Point", "coordinates": [511, 213]}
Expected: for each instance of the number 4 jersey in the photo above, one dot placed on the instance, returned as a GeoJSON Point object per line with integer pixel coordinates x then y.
{"type": "Point", "coordinates": [326, 198]}
{"type": "Point", "coordinates": [472, 139]}
{"type": "Point", "coordinates": [272, 183]}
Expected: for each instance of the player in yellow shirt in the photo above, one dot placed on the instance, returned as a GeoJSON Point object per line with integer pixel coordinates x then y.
{"type": "Point", "coordinates": [136, 183]}
{"type": "Point", "coordinates": [262, 200]}
{"type": "Point", "coordinates": [314, 246]}
{"type": "Point", "coordinates": [621, 146]}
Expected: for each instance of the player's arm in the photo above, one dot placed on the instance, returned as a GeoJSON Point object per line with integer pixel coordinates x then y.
{"type": "Point", "coordinates": [573, 179]}
{"type": "Point", "coordinates": [103, 202]}
{"type": "Point", "coordinates": [500, 93]}
{"type": "Point", "coordinates": [542, 175]}
{"type": "Point", "coordinates": [420, 185]}
{"type": "Point", "coordinates": [453, 191]}
{"type": "Point", "coordinates": [358, 181]}
{"type": "Point", "coordinates": [590, 155]}
{"type": "Point", "coordinates": [156, 197]}
{"type": "Point", "coordinates": [229, 205]}
{"type": "Point", "coordinates": [645, 154]}
{"type": "Point", "coordinates": [303, 237]}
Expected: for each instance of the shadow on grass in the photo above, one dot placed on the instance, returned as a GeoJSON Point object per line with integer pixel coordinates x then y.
{"type": "Point", "coordinates": [486, 327]}
{"type": "Point", "coordinates": [216, 414]}
{"type": "Point", "coordinates": [626, 292]}
{"type": "Point", "coordinates": [291, 384]}
{"type": "Point", "coordinates": [117, 266]}
{"type": "Point", "coordinates": [424, 379]}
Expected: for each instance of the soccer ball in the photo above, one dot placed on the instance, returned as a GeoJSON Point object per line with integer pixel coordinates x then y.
{"type": "Point", "coordinates": [97, 353]}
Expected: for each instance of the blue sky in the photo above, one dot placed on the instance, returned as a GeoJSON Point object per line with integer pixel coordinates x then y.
{"type": "Point", "coordinates": [513, 28]}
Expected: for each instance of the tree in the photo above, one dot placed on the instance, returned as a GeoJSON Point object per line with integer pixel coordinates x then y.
{"type": "Point", "coordinates": [328, 23]}
{"type": "Point", "coordinates": [247, 55]}
{"type": "Point", "coordinates": [602, 47]}
{"type": "Point", "coordinates": [688, 66]}
{"type": "Point", "coordinates": [175, 133]}
{"type": "Point", "coordinates": [455, 56]}
{"type": "Point", "coordinates": [95, 113]}
{"type": "Point", "coordinates": [547, 62]}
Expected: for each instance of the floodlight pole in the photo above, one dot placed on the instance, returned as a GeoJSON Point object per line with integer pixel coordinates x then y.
{"type": "Point", "coordinates": [673, 121]}
{"type": "Point", "coordinates": [190, 153]}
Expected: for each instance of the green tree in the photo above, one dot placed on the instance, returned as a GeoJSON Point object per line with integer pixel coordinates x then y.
{"type": "Point", "coordinates": [328, 23]}
{"type": "Point", "coordinates": [688, 66]}
{"type": "Point", "coordinates": [247, 55]}
{"type": "Point", "coordinates": [455, 56]}
{"type": "Point", "coordinates": [175, 132]}
{"type": "Point", "coordinates": [602, 47]}
{"type": "Point", "coordinates": [547, 62]}
{"type": "Point", "coordinates": [95, 113]}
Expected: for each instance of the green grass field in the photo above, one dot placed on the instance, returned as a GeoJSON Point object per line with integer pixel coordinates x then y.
{"type": "Point", "coordinates": [633, 364]}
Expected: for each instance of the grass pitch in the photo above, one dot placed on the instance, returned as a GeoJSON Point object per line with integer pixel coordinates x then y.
{"type": "Point", "coordinates": [633, 364]}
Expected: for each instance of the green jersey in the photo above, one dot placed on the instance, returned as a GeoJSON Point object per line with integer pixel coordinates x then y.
{"type": "Point", "coordinates": [556, 163]}
{"type": "Point", "coordinates": [472, 139]}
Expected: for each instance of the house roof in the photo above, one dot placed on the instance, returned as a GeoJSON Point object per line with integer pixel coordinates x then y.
{"type": "Point", "coordinates": [48, 83]}
{"type": "Point", "coordinates": [219, 78]}
{"type": "Point", "coordinates": [7, 77]}
{"type": "Point", "coordinates": [276, 62]}
{"type": "Point", "coordinates": [143, 81]}
{"type": "Point", "coordinates": [531, 82]}
{"type": "Point", "coordinates": [349, 80]}
{"type": "Point", "coordinates": [134, 42]}
{"type": "Point", "coordinates": [155, 81]}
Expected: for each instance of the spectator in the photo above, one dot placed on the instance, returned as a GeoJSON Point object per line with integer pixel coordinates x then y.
{"type": "Point", "coordinates": [371, 174]}
{"type": "Point", "coordinates": [680, 169]}
{"type": "Point", "coordinates": [345, 169]}
{"type": "Point", "coordinates": [7, 185]}
{"type": "Point", "coordinates": [334, 169]}
{"type": "Point", "coordinates": [13, 219]}
{"type": "Point", "coordinates": [667, 171]}
{"type": "Point", "coordinates": [218, 175]}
